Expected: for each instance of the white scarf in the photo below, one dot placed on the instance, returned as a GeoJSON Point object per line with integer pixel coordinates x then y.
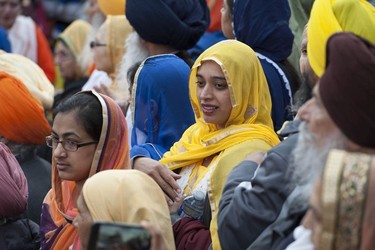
{"type": "Point", "coordinates": [22, 36]}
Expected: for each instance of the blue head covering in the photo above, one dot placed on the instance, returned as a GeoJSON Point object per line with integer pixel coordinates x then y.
{"type": "Point", "coordinates": [178, 24]}
{"type": "Point", "coordinates": [264, 26]}
{"type": "Point", "coordinates": [161, 105]}
{"type": "Point", "coordinates": [4, 41]}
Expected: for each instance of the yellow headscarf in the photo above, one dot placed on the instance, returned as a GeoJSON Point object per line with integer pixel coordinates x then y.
{"type": "Point", "coordinates": [251, 107]}
{"type": "Point", "coordinates": [74, 36]}
{"type": "Point", "coordinates": [128, 196]}
{"type": "Point", "coordinates": [112, 7]}
{"type": "Point", "coordinates": [30, 74]}
{"type": "Point", "coordinates": [330, 16]}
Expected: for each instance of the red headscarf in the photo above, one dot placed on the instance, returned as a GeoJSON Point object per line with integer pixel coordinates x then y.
{"type": "Point", "coordinates": [22, 116]}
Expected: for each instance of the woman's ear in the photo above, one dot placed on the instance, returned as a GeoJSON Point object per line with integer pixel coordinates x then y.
{"type": "Point", "coordinates": [153, 108]}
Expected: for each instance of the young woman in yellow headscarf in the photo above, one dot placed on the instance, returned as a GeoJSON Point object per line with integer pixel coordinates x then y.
{"type": "Point", "coordinates": [232, 105]}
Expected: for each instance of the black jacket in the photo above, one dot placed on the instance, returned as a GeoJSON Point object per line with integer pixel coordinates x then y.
{"type": "Point", "coordinates": [16, 234]}
{"type": "Point", "coordinates": [38, 174]}
{"type": "Point", "coordinates": [253, 212]}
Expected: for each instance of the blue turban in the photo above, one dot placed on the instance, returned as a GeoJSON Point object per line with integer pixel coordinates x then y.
{"type": "Point", "coordinates": [178, 24]}
{"type": "Point", "coordinates": [264, 26]}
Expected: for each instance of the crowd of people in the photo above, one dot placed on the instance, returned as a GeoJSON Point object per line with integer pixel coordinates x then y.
{"type": "Point", "coordinates": [189, 118]}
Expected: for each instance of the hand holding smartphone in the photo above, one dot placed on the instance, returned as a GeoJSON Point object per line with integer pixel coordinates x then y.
{"type": "Point", "coordinates": [119, 236]}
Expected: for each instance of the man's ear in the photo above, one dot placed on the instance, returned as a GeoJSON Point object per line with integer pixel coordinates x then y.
{"type": "Point", "coordinates": [153, 108]}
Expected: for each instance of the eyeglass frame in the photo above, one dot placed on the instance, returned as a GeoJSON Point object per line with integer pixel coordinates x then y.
{"type": "Point", "coordinates": [94, 44]}
{"type": "Point", "coordinates": [78, 145]}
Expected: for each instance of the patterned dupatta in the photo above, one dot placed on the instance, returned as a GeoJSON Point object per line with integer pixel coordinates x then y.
{"type": "Point", "coordinates": [347, 201]}
{"type": "Point", "coordinates": [112, 152]}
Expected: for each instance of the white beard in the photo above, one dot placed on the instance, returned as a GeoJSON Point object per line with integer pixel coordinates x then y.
{"type": "Point", "coordinates": [308, 159]}
{"type": "Point", "coordinates": [134, 53]}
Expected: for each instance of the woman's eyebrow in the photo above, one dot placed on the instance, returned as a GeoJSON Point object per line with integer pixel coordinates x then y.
{"type": "Point", "coordinates": [65, 134]}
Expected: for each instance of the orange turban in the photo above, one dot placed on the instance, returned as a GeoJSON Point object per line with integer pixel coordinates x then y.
{"type": "Point", "coordinates": [22, 116]}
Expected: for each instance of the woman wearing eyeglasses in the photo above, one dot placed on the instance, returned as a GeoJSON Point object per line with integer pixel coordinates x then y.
{"type": "Point", "coordinates": [74, 65]}
{"type": "Point", "coordinates": [108, 48]}
{"type": "Point", "coordinates": [88, 136]}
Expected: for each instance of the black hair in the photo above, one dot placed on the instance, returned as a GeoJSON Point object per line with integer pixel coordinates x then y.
{"type": "Point", "coordinates": [131, 75]}
{"type": "Point", "coordinates": [230, 4]}
{"type": "Point", "coordinates": [303, 94]}
{"type": "Point", "coordinates": [184, 55]}
{"type": "Point", "coordinates": [88, 111]}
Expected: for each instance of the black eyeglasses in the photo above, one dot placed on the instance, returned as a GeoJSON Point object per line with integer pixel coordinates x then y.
{"type": "Point", "coordinates": [71, 146]}
{"type": "Point", "coordinates": [94, 44]}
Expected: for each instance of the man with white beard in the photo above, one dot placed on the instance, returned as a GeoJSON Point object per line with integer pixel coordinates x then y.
{"type": "Point", "coordinates": [260, 211]}
{"type": "Point", "coordinates": [345, 120]}
{"type": "Point", "coordinates": [329, 120]}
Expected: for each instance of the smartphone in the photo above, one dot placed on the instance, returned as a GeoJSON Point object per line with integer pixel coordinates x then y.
{"type": "Point", "coordinates": [119, 236]}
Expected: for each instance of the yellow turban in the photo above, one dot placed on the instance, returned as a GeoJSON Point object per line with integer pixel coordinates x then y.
{"type": "Point", "coordinates": [331, 16]}
{"type": "Point", "coordinates": [112, 7]}
{"type": "Point", "coordinates": [22, 116]}
{"type": "Point", "coordinates": [30, 74]}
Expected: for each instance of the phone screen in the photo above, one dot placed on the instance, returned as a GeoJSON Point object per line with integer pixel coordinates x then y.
{"type": "Point", "coordinates": [116, 236]}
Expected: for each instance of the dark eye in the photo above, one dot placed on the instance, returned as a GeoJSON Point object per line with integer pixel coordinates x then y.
{"type": "Point", "coordinates": [221, 85]}
{"type": "Point", "coordinates": [200, 83]}
{"type": "Point", "coordinates": [304, 51]}
{"type": "Point", "coordinates": [55, 139]}
{"type": "Point", "coordinates": [70, 144]}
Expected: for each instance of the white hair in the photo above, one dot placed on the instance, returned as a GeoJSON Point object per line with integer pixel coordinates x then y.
{"type": "Point", "coordinates": [134, 53]}
{"type": "Point", "coordinates": [308, 159]}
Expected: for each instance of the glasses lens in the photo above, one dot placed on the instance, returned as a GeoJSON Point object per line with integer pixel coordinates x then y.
{"type": "Point", "coordinates": [70, 146]}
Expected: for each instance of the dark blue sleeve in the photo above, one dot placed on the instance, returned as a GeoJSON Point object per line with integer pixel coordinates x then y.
{"type": "Point", "coordinates": [148, 150]}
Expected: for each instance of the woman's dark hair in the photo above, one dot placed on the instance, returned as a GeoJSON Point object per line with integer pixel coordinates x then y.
{"type": "Point", "coordinates": [88, 111]}
{"type": "Point", "coordinates": [230, 4]}
{"type": "Point", "coordinates": [131, 75]}
{"type": "Point", "coordinates": [184, 55]}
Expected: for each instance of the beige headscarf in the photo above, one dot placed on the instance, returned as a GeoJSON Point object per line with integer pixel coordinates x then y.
{"type": "Point", "coordinates": [30, 74]}
{"type": "Point", "coordinates": [128, 196]}
{"type": "Point", "coordinates": [348, 188]}
{"type": "Point", "coordinates": [117, 30]}
{"type": "Point", "coordinates": [75, 36]}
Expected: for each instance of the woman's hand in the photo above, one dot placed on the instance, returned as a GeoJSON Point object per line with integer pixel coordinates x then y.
{"type": "Point", "coordinates": [165, 177]}
{"type": "Point", "coordinates": [176, 205]}
{"type": "Point", "coordinates": [157, 242]}
{"type": "Point", "coordinates": [103, 89]}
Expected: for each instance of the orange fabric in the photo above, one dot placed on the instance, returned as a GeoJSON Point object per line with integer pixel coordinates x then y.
{"type": "Point", "coordinates": [45, 57]}
{"type": "Point", "coordinates": [112, 152]}
{"type": "Point", "coordinates": [215, 14]}
{"type": "Point", "coordinates": [22, 115]}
